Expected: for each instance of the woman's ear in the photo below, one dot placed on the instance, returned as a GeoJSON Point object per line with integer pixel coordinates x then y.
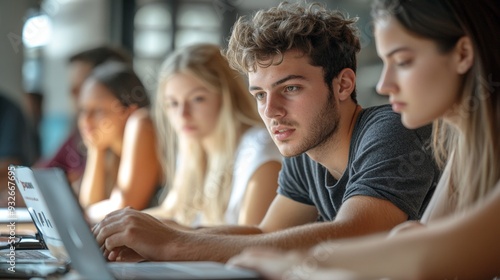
{"type": "Point", "coordinates": [344, 84]}
{"type": "Point", "coordinates": [465, 54]}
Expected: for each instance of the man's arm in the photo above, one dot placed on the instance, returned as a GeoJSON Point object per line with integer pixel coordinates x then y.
{"type": "Point", "coordinates": [358, 216]}
{"type": "Point", "coordinates": [123, 226]}
{"type": "Point", "coordinates": [154, 240]}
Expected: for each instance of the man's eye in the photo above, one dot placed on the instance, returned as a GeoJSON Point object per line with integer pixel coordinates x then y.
{"type": "Point", "coordinates": [291, 88]}
{"type": "Point", "coordinates": [259, 96]}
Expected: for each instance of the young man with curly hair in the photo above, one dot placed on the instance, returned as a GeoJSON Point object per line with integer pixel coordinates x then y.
{"type": "Point", "coordinates": [345, 174]}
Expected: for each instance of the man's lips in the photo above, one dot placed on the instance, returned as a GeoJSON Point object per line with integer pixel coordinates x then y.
{"type": "Point", "coordinates": [282, 133]}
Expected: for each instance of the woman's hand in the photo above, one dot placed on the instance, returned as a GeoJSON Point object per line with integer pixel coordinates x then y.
{"type": "Point", "coordinates": [406, 226]}
{"type": "Point", "coordinates": [95, 142]}
{"type": "Point", "coordinates": [272, 264]}
{"type": "Point", "coordinates": [278, 265]}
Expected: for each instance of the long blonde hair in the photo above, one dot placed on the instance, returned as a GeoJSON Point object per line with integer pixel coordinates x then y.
{"type": "Point", "coordinates": [470, 144]}
{"type": "Point", "coordinates": [198, 182]}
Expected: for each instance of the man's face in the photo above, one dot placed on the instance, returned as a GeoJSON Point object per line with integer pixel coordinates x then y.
{"type": "Point", "coordinates": [296, 105]}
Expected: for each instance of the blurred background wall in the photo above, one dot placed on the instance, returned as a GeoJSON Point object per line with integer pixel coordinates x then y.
{"type": "Point", "coordinates": [38, 36]}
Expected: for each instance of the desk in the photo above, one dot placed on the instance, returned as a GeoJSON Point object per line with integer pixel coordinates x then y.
{"type": "Point", "coordinates": [19, 229]}
{"type": "Point", "coordinates": [21, 223]}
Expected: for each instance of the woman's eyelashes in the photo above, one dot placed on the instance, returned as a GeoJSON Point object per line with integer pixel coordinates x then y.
{"type": "Point", "coordinates": [403, 62]}
{"type": "Point", "coordinates": [198, 99]}
{"type": "Point", "coordinates": [175, 103]}
{"type": "Point", "coordinates": [171, 104]}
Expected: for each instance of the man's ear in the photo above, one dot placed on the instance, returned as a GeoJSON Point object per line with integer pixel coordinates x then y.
{"type": "Point", "coordinates": [464, 55]}
{"type": "Point", "coordinates": [344, 84]}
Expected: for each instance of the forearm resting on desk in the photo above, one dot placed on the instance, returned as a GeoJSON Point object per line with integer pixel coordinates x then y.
{"type": "Point", "coordinates": [462, 246]}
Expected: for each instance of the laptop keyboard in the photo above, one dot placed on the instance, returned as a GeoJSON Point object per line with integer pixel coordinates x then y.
{"type": "Point", "coordinates": [31, 255]}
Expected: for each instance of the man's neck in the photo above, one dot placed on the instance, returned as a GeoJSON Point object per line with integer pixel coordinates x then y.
{"type": "Point", "coordinates": [334, 154]}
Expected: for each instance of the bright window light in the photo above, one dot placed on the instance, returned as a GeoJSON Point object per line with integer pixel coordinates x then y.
{"type": "Point", "coordinates": [37, 31]}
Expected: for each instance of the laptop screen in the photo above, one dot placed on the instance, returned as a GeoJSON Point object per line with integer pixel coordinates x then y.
{"type": "Point", "coordinates": [38, 209]}
{"type": "Point", "coordinates": [61, 219]}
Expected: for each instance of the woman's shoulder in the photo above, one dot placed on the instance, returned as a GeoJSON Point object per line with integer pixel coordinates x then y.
{"type": "Point", "coordinates": [140, 116]}
{"type": "Point", "coordinates": [256, 132]}
{"type": "Point", "coordinates": [256, 135]}
{"type": "Point", "coordinates": [256, 140]}
{"type": "Point", "coordinates": [140, 121]}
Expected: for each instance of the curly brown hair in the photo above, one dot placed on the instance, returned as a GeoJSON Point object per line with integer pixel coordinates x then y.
{"type": "Point", "coordinates": [327, 37]}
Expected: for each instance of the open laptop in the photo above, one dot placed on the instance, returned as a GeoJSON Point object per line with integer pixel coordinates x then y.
{"type": "Point", "coordinates": [20, 239]}
{"type": "Point", "coordinates": [68, 236]}
{"type": "Point", "coordinates": [29, 248]}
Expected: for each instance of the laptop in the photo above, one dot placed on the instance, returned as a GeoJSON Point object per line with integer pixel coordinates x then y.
{"type": "Point", "coordinates": [69, 238]}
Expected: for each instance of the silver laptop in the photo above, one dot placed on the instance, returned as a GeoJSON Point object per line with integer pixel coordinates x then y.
{"type": "Point", "coordinates": [68, 236]}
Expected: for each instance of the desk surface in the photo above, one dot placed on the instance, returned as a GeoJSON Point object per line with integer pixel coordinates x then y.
{"type": "Point", "coordinates": [21, 222]}
{"type": "Point", "coordinates": [19, 228]}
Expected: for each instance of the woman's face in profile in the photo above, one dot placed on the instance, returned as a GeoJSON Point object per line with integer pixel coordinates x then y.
{"type": "Point", "coordinates": [192, 109]}
{"type": "Point", "coordinates": [101, 116]}
{"type": "Point", "coordinates": [423, 83]}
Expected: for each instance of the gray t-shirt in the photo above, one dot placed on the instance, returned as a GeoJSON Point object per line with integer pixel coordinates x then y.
{"type": "Point", "coordinates": [386, 160]}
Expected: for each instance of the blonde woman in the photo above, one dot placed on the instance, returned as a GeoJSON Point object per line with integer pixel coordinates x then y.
{"type": "Point", "coordinates": [220, 163]}
{"type": "Point", "coordinates": [441, 64]}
